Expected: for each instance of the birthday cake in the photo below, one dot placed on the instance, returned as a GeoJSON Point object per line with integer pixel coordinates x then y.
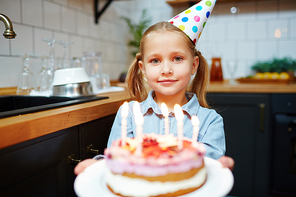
{"type": "Point", "coordinates": [156, 166]}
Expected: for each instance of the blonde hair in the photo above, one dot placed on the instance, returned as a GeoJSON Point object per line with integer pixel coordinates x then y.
{"type": "Point", "coordinates": [135, 78]}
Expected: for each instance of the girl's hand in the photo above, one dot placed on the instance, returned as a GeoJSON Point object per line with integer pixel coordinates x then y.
{"type": "Point", "coordinates": [82, 165]}
{"type": "Point", "coordinates": [227, 162]}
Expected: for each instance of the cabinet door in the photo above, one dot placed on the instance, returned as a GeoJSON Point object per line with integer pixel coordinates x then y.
{"type": "Point", "coordinates": [40, 167]}
{"type": "Point", "coordinates": [246, 118]}
{"type": "Point", "coordinates": [95, 133]}
{"type": "Point", "coordinates": [283, 172]}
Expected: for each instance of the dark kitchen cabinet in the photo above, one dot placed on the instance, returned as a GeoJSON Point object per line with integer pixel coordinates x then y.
{"type": "Point", "coordinates": [41, 167]}
{"type": "Point", "coordinates": [283, 171]}
{"type": "Point", "coordinates": [247, 130]}
{"type": "Point", "coordinates": [94, 136]}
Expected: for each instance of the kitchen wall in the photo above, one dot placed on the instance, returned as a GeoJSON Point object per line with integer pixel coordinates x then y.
{"type": "Point", "coordinates": [68, 20]}
{"type": "Point", "coordinates": [259, 31]}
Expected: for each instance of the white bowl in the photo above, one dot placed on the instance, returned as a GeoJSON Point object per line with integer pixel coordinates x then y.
{"type": "Point", "coordinates": [70, 75]}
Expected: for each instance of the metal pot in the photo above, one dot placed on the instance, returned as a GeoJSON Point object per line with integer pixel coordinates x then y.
{"type": "Point", "coordinates": [73, 89]}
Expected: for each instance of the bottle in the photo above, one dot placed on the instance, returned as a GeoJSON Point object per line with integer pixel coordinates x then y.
{"type": "Point", "coordinates": [216, 70]}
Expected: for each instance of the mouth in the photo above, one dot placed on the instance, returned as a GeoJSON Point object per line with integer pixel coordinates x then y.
{"type": "Point", "coordinates": [167, 81]}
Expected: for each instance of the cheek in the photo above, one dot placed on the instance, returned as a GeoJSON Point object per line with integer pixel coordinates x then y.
{"type": "Point", "coordinates": [152, 72]}
{"type": "Point", "coordinates": [182, 71]}
{"type": "Point", "coordinates": [151, 77]}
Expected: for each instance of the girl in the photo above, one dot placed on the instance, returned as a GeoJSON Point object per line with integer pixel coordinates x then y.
{"type": "Point", "coordinates": [167, 60]}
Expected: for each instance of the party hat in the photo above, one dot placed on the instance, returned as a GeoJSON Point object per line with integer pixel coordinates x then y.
{"type": "Point", "coordinates": [193, 20]}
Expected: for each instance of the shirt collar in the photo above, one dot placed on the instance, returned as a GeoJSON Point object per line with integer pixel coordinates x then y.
{"type": "Point", "coordinates": [150, 103]}
{"type": "Point", "coordinates": [191, 107]}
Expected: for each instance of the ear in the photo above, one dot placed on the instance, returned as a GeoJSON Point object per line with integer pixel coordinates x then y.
{"type": "Point", "coordinates": [141, 65]}
{"type": "Point", "coordinates": [195, 65]}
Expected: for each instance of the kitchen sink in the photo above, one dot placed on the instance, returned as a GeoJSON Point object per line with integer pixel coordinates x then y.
{"type": "Point", "coordinates": [13, 105]}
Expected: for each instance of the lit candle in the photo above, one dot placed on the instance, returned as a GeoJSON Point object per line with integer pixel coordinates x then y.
{"type": "Point", "coordinates": [179, 116]}
{"type": "Point", "coordinates": [124, 113]}
{"type": "Point", "coordinates": [195, 123]}
{"type": "Point", "coordinates": [165, 113]}
{"type": "Point", "coordinates": [139, 120]}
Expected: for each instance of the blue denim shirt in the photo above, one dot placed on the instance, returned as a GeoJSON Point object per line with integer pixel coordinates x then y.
{"type": "Point", "coordinates": [211, 128]}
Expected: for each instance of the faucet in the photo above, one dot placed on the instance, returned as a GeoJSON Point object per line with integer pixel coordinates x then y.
{"type": "Point", "coordinates": [8, 33]}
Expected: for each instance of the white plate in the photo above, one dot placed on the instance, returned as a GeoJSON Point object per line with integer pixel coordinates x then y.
{"type": "Point", "coordinates": [91, 182]}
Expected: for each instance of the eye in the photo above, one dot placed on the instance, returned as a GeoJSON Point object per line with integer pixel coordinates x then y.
{"type": "Point", "coordinates": [155, 61]}
{"type": "Point", "coordinates": [178, 59]}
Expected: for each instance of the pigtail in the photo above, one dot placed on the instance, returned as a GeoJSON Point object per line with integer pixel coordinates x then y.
{"type": "Point", "coordinates": [135, 80]}
{"type": "Point", "coordinates": [201, 80]}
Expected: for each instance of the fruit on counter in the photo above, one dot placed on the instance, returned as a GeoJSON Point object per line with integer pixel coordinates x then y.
{"type": "Point", "coordinates": [273, 75]}
{"type": "Point", "coordinates": [259, 76]}
{"type": "Point", "coordinates": [266, 75]}
{"type": "Point", "coordinates": [284, 75]}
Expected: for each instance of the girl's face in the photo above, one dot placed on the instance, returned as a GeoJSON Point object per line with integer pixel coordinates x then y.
{"type": "Point", "coordinates": [168, 63]}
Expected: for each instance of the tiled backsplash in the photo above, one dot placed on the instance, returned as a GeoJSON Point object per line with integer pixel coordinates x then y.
{"type": "Point", "coordinates": [67, 20]}
{"type": "Point", "coordinates": [249, 35]}
{"type": "Point", "coordinates": [245, 37]}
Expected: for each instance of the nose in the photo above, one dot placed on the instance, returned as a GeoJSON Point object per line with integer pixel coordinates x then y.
{"type": "Point", "coordinates": [166, 69]}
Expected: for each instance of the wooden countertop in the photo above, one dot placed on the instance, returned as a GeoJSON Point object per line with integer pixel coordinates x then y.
{"type": "Point", "coordinates": [225, 87]}
{"type": "Point", "coordinates": [21, 128]}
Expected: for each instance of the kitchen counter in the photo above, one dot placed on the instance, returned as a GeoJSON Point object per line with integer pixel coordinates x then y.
{"type": "Point", "coordinates": [18, 129]}
{"type": "Point", "coordinates": [21, 128]}
{"type": "Point", "coordinates": [225, 87]}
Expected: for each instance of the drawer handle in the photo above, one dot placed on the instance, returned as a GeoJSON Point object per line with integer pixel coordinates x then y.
{"type": "Point", "coordinates": [292, 124]}
{"type": "Point", "coordinates": [90, 149]}
{"type": "Point", "coordinates": [262, 108]}
{"type": "Point", "coordinates": [71, 159]}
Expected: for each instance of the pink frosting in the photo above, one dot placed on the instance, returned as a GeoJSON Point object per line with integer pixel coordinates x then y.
{"type": "Point", "coordinates": [120, 167]}
{"type": "Point", "coordinates": [120, 160]}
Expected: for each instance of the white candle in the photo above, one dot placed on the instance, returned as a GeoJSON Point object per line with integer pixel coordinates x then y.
{"type": "Point", "coordinates": [195, 123]}
{"type": "Point", "coordinates": [165, 113]}
{"type": "Point", "coordinates": [124, 113]}
{"type": "Point", "coordinates": [179, 116]}
{"type": "Point", "coordinates": [139, 120]}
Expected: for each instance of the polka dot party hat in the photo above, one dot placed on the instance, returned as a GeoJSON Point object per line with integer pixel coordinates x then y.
{"type": "Point", "coordinates": [193, 20]}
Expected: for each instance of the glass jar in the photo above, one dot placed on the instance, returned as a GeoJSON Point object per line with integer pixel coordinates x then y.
{"type": "Point", "coordinates": [216, 70]}
{"type": "Point", "coordinates": [92, 62]}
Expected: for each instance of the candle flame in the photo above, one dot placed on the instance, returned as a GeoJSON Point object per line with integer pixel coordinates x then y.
{"type": "Point", "coordinates": [124, 110]}
{"type": "Point", "coordinates": [178, 112]}
{"type": "Point", "coordinates": [137, 113]}
{"type": "Point", "coordinates": [164, 110]}
{"type": "Point", "coordinates": [195, 120]}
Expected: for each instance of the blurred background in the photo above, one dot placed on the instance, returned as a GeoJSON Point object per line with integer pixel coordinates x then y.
{"type": "Point", "coordinates": [249, 32]}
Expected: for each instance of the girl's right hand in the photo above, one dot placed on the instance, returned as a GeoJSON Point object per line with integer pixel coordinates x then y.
{"type": "Point", "coordinates": [82, 165]}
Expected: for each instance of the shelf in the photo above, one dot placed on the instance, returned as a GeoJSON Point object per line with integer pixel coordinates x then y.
{"type": "Point", "coordinates": [175, 3]}
{"type": "Point", "coordinates": [98, 12]}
